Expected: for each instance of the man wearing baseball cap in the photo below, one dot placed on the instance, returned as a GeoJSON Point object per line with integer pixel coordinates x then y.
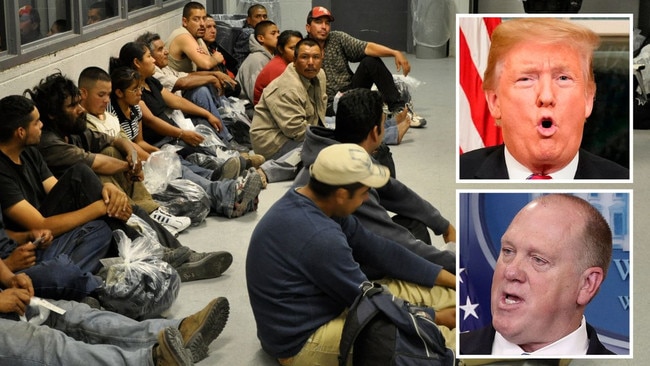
{"type": "Point", "coordinates": [341, 49]}
{"type": "Point", "coordinates": [30, 24]}
{"type": "Point", "coordinates": [303, 267]}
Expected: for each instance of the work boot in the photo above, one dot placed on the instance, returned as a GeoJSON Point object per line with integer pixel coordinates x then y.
{"type": "Point", "coordinates": [200, 329]}
{"type": "Point", "coordinates": [170, 350]}
{"type": "Point", "coordinates": [200, 266]}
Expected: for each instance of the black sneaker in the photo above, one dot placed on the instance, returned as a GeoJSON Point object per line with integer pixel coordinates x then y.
{"type": "Point", "coordinates": [176, 257]}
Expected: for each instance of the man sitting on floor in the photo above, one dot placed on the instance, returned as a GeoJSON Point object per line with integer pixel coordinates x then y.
{"type": "Point", "coordinates": [360, 120]}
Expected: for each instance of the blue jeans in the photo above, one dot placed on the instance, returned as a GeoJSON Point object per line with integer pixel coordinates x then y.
{"type": "Point", "coordinates": [63, 270]}
{"type": "Point", "coordinates": [187, 167]}
{"type": "Point", "coordinates": [85, 245]}
{"type": "Point", "coordinates": [61, 278]}
{"type": "Point", "coordinates": [82, 336]}
{"type": "Point", "coordinates": [391, 134]}
{"type": "Point", "coordinates": [204, 96]}
{"type": "Point", "coordinates": [222, 193]}
{"type": "Point", "coordinates": [279, 167]}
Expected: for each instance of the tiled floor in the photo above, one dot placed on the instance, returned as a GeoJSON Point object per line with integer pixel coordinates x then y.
{"type": "Point", "coordinates": [426, 162]}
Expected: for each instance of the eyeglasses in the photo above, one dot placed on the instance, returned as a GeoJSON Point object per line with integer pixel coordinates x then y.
{"type": "Point", "coordinates": [136, 90]}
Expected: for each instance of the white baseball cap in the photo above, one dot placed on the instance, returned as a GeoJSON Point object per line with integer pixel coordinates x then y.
{"type": "Point", "coordinates": [343, 164]}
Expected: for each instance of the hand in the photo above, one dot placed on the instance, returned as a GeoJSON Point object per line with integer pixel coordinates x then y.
{"type": "Point", "coordinates": [14, 300]}
{"type": "Point", "coordinates": [215, 122]}
{"type": "Point", "coordinates": [192, 138]}
{"type": "Point", "coordinates": [446, 317]}
{"type": "Point", "coordinates": [446, 279]}
{"type": "Point", "coordinates": [22, 257]}
{"type": "Point", "coordinates": [450, 234]}
{"type": "Point", "coordinates": [22, 281]}
{"type": "Point", "coordinates": [135, 174]}
{"type": "Point", "coordinates": [45, 235]}
{"type": "Point", "coordinates": [225, 78]}
{"type": "Point", "coordinates": [218, 86]}
{"type": "Point", "coordinates": [402, 63]}
{"type": "Point", "coordinates": [116, 201]}
{"type": "Point", "coordinates": [218, 56]}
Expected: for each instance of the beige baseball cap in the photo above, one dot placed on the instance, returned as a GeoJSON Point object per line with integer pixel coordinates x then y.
{"type": "Point", "coordinates": [343, 164]}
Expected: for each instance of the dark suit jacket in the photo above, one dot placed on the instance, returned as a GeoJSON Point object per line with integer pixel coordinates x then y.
{"type": "Point", "coordinates": [479, 342]}
{"type": "Point", "coordinates": [490, 163]}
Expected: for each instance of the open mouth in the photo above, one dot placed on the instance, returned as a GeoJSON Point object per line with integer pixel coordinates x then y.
{"type": "Point", "coordinates": [546, 127]}
{"type": "Point", "coordinates": [511, 299]}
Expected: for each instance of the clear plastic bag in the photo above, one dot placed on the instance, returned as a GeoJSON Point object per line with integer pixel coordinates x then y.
{"type": "Point", "coordinates": [143, 227]}
{"type": "Point", "coordinates": [160, 168]}
{"type": "Point", "coordinates": [405, 84]}
{"type": "Point", "coordinates": [185, 198]}
{"type": "Point", "coordinates": [213, 145]}
{"type": "Point", "coordinates": [143, 286]}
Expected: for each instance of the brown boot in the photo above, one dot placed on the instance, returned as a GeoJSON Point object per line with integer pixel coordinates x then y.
{"type": "Point", "coordinates": [253, 160]}
{"type": "Point", "coordinates": [170, 350]}
{"type": "Point", "coordinates": [200, 329]}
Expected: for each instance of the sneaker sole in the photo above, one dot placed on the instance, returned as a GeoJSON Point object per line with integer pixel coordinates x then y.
{"type": "Point", "coordinates": [211, 266]}
{"type": "Point", "coordinates": [213, 325]}
{"type": "Point", "coordinates": [251, 190]}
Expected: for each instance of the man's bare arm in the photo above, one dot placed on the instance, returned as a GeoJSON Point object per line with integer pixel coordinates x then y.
{"type": "Point", "coordinates": [377, 50]}
{"type": "Point", "coordinates": [188, 46]}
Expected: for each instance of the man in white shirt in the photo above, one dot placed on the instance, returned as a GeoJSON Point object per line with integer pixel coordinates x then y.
{"type": "Point", "coordinates": [554, 257]}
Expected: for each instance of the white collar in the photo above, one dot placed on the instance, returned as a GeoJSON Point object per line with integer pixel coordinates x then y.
{"type": "Point", "coordinates": [518, 171]}
{"type": "Point", "coordinates": [575, 343]}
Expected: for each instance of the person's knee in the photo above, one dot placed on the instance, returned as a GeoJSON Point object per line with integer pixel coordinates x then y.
{"type": "Point", "coordinates": [371, 62]}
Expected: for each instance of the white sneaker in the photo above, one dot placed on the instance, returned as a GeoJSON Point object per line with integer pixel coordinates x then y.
{"type": "Point", "coordinates": [416, 120]}
{"type": "Point", "coordinates": [173, 224]}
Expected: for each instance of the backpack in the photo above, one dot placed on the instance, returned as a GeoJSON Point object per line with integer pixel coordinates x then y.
{"type": "Point", "coordinates": [386, 330]}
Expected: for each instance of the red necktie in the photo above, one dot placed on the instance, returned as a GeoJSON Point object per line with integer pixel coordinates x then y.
{"type": "Point", "coordinates": [539, 176]}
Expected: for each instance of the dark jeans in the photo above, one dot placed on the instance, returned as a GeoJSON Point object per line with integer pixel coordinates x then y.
{"type": "Point", "coordinates": [372, 70]}
{"type": "Point", "coordinates": [78, 187]}
{"type": "Point", "coordinates": [64, 270]}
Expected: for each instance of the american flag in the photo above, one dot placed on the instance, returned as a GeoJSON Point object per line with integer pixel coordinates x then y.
{"type": "Point", "coordinates": [475, 270]}
{"type": "Point", "coordinates": [476, 126]}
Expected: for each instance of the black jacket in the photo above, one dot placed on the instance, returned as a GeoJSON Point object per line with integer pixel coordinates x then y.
{"type": "Point", "coordinates": [490, 163]}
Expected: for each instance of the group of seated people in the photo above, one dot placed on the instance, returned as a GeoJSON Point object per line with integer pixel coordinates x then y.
{"type": "Point", "coordinates": [72, 173]}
